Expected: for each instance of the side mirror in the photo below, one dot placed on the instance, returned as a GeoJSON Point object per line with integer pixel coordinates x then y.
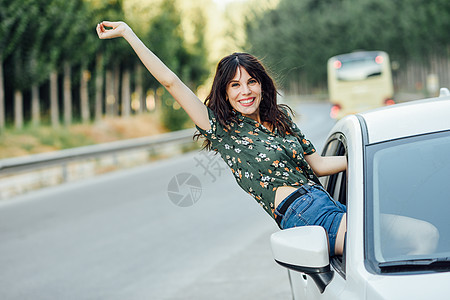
{"type": "Point", "coordinates": [304, 249]}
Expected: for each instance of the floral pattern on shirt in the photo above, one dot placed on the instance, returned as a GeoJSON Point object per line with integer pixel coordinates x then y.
{"type": "Point", "coordinates": [261, 160]}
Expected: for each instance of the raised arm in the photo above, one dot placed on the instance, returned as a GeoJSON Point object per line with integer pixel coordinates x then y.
{"type": "Point", "coordinates": [193, 106]}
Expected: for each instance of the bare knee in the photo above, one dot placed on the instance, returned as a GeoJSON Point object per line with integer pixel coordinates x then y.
{"type": "Point", "coordinates": [340, 236]}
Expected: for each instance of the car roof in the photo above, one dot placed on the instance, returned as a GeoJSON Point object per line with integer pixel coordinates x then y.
{"type": "Point", "coordinates": [407, 119]}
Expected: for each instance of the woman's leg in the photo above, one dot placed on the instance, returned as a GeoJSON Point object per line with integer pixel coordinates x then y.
{"type": "Point", "coordinates": [340, 236]}
{"type": "Point", "coordinates": [413, 235]}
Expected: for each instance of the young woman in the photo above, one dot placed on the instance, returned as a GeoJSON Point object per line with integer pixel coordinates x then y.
{"type": "Point", "coordinates": [267, 153]}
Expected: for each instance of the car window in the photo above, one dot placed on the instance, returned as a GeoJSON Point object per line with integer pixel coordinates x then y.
{"type": "Point", "coordinates": [408, 182]}
{"type": "Point", "coordinates": [336, 184]}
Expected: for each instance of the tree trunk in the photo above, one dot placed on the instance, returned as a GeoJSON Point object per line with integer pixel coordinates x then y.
{"type": "Point", "coordinates": [158, 101]}
{"type": "Point", "coordinates": [116, 74]}
{"type": "Point", "coordinates": [84, 95]}
{"type": "Point", "coordinates": [35, 109]}
{"type": "Point", "coordinates": [109, 87]}
{"type": "Point", "coordinates": [126, 93]}
{"type": "Point", "coordinates": [18, 109]}
{"type": "Point", "coordinates": [99, 88]}
{"type": "Point", "coordinates": [2, 97]}
{"type": "Point", "coordinates": [54, 109]}
{"type": "Point", "coordinates": [139, 89]}
{"type": "Point", "coordinates": [67, 94]}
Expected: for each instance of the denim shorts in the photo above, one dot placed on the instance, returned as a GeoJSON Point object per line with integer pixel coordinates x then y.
{"type": "Point", "coordinates": [314, 207]}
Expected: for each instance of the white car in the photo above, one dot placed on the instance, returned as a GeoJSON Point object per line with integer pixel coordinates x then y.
{"type": "Point", "coordinates": [398, 165]}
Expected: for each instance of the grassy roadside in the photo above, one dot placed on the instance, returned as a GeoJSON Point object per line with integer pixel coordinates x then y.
{"type": "Point", "coordinates": [30, 140]}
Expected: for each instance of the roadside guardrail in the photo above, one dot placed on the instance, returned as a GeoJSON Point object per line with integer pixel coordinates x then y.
{"type": "Point", "coordinates": [35, 161]}
{"type": "Point", "coordinates": [19, 175]}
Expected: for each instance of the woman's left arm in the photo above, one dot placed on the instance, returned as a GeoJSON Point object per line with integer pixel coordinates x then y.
{"type": "Point", "coordinates": [326, 165]}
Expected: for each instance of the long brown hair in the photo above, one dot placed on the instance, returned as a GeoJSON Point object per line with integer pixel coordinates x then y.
{"type": "Point", "coordinates": [270, 112]}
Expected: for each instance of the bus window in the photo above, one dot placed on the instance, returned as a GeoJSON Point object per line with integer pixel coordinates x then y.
{"type": "Point", "coordinates": [359, 81]}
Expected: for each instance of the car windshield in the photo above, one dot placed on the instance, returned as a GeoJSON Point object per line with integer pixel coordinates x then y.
{"type": "Point", "coordinates": [408, 200]}
{"type": "Point", "coordinates": [359, 68]}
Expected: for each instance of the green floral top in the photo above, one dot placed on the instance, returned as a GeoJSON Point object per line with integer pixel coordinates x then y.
{"type": "Point", "coordinates": [261, 160]}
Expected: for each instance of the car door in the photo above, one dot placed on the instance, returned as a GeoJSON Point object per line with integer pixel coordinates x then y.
{"type": "Point", "coordinates": [303, 287]}
{"type": "Point", "coordinates": [336, 186]}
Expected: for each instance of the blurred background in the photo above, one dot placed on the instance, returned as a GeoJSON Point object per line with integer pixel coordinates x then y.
{"type": "Point", "coordinates": [62, 87]}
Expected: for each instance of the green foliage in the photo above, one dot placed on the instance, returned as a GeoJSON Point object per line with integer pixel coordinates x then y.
{"type": "Point", "coordinates": [298, 36]}
{"type": "Point", "coordinates": [165, 38]}
{"type": "Point", "coordinates": [30, 137]}
{"type": "Point", "coordinates": [194, 57]}
{"type": "Point", "coordinates": [61, 138]}
{"type": "Point", "coordinates": [38, 36]}
{"type": "Point", "coordinates": [172, 116]}
{"type": "Point", "coordinates": [13, 24]}
{"type": "Point", "coordinates": [117, 51]}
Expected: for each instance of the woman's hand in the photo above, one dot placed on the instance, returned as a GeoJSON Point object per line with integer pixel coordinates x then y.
{"type": "Point", "coordinates": [119, 29]}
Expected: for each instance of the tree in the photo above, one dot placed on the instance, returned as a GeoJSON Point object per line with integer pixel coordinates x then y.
{"type": "Point", "coordinates": [41, 58]}
{"type": "Point", "coordinates": [166, 40]}
{"type": "Point", "coordinates": [76, 43]}
{"type": "Point", "coordinates": [13, 24]}
{"type": "Point", "coordinates": [49, 44]}
{"type": "Point", "coordinates": [298, 36]}
{"type": "Point", "coordinates": [109, 56]}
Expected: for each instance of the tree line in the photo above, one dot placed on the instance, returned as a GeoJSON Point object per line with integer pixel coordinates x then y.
{"type": "Point", "coordinates": [54, 69]}
{"type": "Point", "coordinates": [297, 37]}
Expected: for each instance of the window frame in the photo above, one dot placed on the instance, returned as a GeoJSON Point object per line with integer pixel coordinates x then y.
{"type": "Point", "coordinates": [337, 183]}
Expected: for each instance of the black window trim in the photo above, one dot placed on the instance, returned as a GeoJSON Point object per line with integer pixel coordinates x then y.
{"type": "Point", "coordinates": [338, 262]}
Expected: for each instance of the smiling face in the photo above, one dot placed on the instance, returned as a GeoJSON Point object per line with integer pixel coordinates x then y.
{"type": "Point", "coordinates": [244, 94]}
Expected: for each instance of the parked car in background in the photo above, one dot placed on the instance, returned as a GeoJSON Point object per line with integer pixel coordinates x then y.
{"type": "Point", "coordinates": [359, 81]}
{"type": "Point", "coordinates": [398, 165]}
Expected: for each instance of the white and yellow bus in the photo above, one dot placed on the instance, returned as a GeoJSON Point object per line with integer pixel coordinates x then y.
{"type": "Point", "coordinates": [359, 81]}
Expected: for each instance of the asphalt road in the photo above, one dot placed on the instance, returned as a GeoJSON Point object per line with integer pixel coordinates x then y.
{"type": "Point", "coordinates": [120, 235]}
